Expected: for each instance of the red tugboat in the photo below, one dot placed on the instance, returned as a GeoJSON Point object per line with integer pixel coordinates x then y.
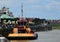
{"type": "Point", "coordinates": [22, 31]}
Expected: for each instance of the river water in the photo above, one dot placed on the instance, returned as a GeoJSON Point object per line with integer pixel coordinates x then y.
{"type": "Point", "coordinates": [47, 36]}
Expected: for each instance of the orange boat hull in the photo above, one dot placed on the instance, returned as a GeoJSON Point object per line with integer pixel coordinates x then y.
{"type": "Point", "coordinates": [22, 36]}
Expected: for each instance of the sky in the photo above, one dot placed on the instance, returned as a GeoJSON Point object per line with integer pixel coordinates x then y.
{"type": "Point", "coordinates": [44, 9]}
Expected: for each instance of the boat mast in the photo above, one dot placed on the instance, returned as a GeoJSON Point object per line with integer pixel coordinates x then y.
{"type": "Point", "coordinates": [22, 10]}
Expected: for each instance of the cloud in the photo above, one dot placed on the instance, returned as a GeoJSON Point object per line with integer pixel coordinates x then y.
{"type": "Point", "coordinates": [48, 5]}
{"type": "Point", "coordinates": [36, 6]}
{"type": "Point", "coordinates": [5, 2]}
{"type": "Point", "coordinates": [8, 3]}
{"type": "Point", "coordinates": [52, 4]}
{"type": "Point", "coordinates": [33, 1]}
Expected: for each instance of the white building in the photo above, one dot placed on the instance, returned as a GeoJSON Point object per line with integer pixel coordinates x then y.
{"type": "Point", "coordinates": [5, 10]}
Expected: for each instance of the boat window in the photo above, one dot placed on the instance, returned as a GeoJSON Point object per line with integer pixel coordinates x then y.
{"type": "Point", "coordinates": [22, 23]}
{"type": "Point", "coordinates": [4, 12]}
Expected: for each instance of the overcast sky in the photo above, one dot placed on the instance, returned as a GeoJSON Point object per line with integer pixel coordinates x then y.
{"type": "Point", "coordinates": [48, 9]}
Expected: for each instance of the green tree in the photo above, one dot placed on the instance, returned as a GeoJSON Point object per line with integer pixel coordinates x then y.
{"type": "Point", "coordinates": [38, 21]}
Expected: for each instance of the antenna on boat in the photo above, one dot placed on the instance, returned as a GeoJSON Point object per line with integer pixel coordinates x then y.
{"type": "Point", "coordinates": [22, 10]}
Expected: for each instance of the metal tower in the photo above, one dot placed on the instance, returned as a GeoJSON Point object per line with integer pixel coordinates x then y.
{"type": "Point", "coordinates": [22, 10]}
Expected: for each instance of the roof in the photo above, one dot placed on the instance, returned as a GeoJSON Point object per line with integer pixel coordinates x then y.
{"type": "Point", "coordinates": [5, 16]}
